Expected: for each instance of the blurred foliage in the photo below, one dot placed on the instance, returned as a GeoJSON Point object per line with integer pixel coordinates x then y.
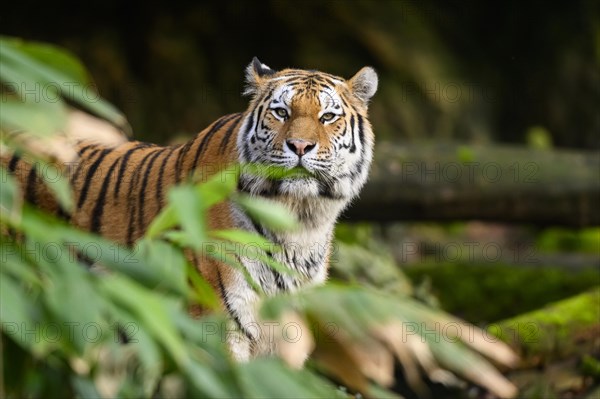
{"type": "Point", "coordinates": [50, 301]}
{"type": "Point", "coordinates": [37, 80]}
{"type": "Point", "coordinates": [372, 267]}
{"type": "Point", "coordinates": [539, 138]}
{"type": "Point", "coordinates": [565, 240]}
{"type": "Point", "coordinates": [459, 266]}
{"type": "Point", "coordinates": [465, 289]}
{"type": "Point", "coordinates": [476, 71]}
{"type": "Point", "coordinates": [122, 327]}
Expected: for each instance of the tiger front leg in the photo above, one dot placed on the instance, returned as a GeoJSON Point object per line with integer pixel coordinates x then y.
{"type": "Point", "coordinates": [247, 336]}
{"type": "Point", "coordinates": [254, 340]}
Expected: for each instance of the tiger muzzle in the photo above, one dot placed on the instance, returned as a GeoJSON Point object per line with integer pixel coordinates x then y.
{"type": "Point", "coordinates": [300, 146]}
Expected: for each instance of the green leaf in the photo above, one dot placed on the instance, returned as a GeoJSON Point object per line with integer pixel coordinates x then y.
{"type": "Point", "coordinates": [146, 346]}
{"type": "Point", "coordinates": [10, 202]}
{"type": "Point", "coordinates": [41, 118]}
{"type": "Point", "coordinates": [282, 382]}
{"type": "Point", "coordinates": [190, 212]}
{"type": "Point", "coordinates": [254, 246]}
{"type": "Point", "coordinates": [166, 265]}
{"type": "Point", "coordinates": [12, 264]}
{"type": "Point", "coordinates": [13, 303]}
{"type": "Point", "coordinates": [223, 252]}
{"type": "Point", "coordinates": [179, 238]}
{"type": "Point", "coordinates": [274, 172]}
{"type": "Point", "coordinates": [20, 56]}
{"type": "Point", "coordinates": [166, 219]}
{"type": "Point", "coordinates": [71, 283]}
{"type": "Point", "coordinates": [60, 187]}
{"type": "Point", "coordinates": [203, 291]}
{"type": "Point", "coordinates": [151, 310]}
{"type": "Point", "coordinates": [218, 187]}
{"type": "Point", "coordinates": [208, 381]}
{"type": "Point", "coordinates": [246, 238]}
{"type": "Point", "coordinates": [84, 387]}
{"type": "Point", "coordinates": [54, 57]}
{"type": "Point", "coordinates": [269, 213]}
{"type": "Point", "coordinates": [14, 54]}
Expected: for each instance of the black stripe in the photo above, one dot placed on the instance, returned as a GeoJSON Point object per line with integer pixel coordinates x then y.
{"type": "Point", "coordinates": [159, 182]}
{"type": "Point", "coordinates": [361, 160]}
{"type": "Point", "coordinates": [279, 280]}
{"type": "Point", "coordinates": [83, 149]}
{"type": "Point", "coordinates": [125, 157]}
{"type": "Point", "coordinates": [353, 146]}
{"type": "Point", "coordinates": [258, 113]}
{"type": "Point", "coordinates": [131, 200]}
{"type": "Point", "coordinates": [62, 213]}
{"type": "Point", "coordinates": [329, 81]}
{"type": "Point", "coordinates": [81, 164]}
{"type": "Point", "coordinates": [344, 102]}
{"type": "Point", "coordinates": [181, 158]}
{"type": "Point", "coordinates": [142, 192]}
{"type": "Point", "coordinates": [294, 80]}
{"type": "Point", "coordinates": [30, 188]}
{"type": "Point", "coordinates": [242, 185]}
{"type": "Point", "coordinates": [228, 307]}
{"type": "Point", "coordinates": [325, 190]}
{"type": "Point", "coordinates": [274, 189]}
{"type": "Point", "coordinates": [361, 133]}
{"type": "Point", "coordinates": [206, 139]}
{"type": "Point", "coordinates": [247, 128]}
{"type": "Point", "coordinates": [259, 229]}
{"type": "Point", "coordinates": [101, 200]}
{"type": "Point", "coordinates": [228, 133]}
{"type": "Point", "coordinates": [12, 165]}
{"type": "Point", "coordinates": [88, 177]}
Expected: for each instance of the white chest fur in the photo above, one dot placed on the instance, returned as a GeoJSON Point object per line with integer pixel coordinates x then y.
{"type": "Point", "coordinates": [304, 251]}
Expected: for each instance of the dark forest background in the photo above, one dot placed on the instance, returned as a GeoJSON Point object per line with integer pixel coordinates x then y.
{"type": "Point", "coordinates": [476, 71]}
{"type": "Point", "coordinates": [457, 78]}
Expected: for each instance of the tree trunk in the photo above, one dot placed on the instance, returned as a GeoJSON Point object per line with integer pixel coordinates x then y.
{"type": "Point", "coordinates": [425, 182]}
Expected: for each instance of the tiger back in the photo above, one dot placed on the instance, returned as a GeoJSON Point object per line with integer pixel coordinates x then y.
{"type": "Point", "coordinates": [296, 119]}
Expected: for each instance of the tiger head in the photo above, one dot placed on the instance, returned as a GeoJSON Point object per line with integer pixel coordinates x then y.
{"type": "Point", "coordinates": [309, 121]}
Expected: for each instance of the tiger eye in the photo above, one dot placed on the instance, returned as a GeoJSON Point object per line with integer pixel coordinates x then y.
{"type": "Point", "coordinates": [327, 117]}
{"type": "Point", "coordinates": [281, 112]}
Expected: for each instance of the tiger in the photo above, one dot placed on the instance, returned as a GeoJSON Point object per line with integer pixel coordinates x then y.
{"type": "Point", "coordinates": [296, 119]}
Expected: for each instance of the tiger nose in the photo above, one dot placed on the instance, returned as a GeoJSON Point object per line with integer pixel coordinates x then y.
{"type": "Point", "coordinates": [299, 146]}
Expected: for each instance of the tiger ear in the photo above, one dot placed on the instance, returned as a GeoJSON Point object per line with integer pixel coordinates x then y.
{"type": "Point", "coordinates": [256, 73]}
{"type": "Point", "coordinates": [364, 84]}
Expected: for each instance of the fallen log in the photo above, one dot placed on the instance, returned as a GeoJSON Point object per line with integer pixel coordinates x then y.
{"type": "Point", "coordinates": [449, 182]}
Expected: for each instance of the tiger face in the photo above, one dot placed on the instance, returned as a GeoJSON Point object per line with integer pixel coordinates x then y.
{"type": "Point", "coordinates": [310, 121]}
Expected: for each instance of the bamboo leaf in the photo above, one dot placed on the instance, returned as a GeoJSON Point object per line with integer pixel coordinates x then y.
{"type": "Point", "coordinates": [150, 310]}
{"type": "Point", "coordinates": [166, 219]}
{"type": "Point", "coordinates": [218, 187]}
{"type": "Point", "coordinates": [267, 212]}
{"type": "Point", "coordinates": [39, 118]}
{"type": "Point", "coordinates": [12, 53]}
{"type": "Point", "coordinates": [282, 382]}
{"type": "Point", "coordinates": [190, 213]}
